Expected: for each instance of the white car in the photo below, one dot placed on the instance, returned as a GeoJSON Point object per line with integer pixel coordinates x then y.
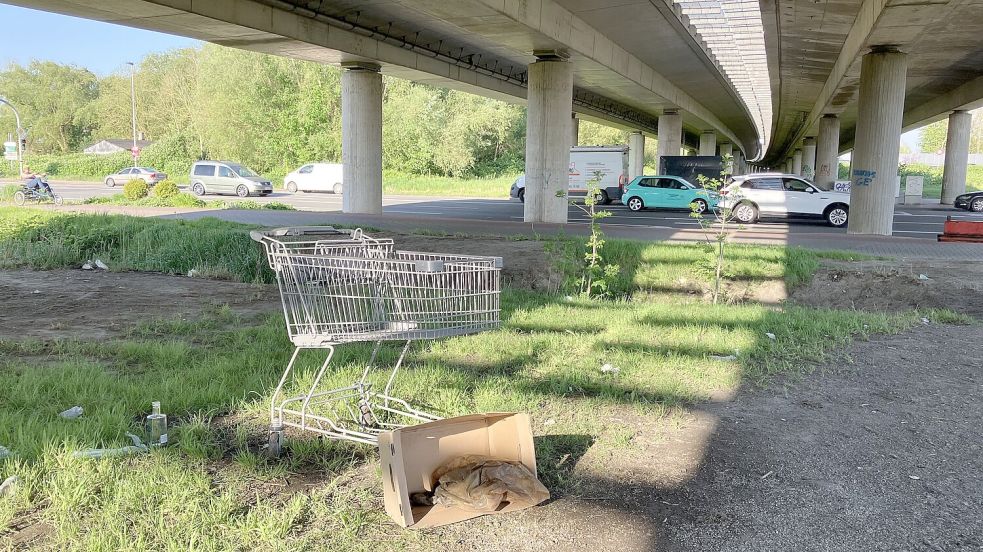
{"type": "Point", "coordinates": [782, 195]}
{"type": "Point", "coordinates": [315, 177]}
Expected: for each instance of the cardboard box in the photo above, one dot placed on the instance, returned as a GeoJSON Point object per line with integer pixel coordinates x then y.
{"type": "Point", "coordinates": [410, 455]}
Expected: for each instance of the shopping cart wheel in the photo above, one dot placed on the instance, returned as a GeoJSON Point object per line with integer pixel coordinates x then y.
{"type": "Point", "coordinates": [276, 441]}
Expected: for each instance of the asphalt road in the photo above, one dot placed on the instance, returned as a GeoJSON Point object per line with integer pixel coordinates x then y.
{"type": "Point", "coordinates": [909, 221]}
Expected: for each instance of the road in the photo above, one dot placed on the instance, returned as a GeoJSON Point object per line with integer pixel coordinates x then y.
{"type": "Point", "coordinates": [923, 222]}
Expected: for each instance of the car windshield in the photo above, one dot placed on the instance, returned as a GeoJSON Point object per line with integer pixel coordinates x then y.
{"type": "Point", "coordinates": [241, 170]}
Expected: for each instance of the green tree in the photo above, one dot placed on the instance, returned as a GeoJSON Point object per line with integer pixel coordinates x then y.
{"type": "Point", "coordinates": [932, 138]}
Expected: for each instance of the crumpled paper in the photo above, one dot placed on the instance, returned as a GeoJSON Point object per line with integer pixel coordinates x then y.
{"type": "Point", "coordinates": [482, 484]}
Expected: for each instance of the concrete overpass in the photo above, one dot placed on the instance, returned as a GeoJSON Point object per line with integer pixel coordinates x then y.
{"type": "Point", "coordinates": [775, 82]}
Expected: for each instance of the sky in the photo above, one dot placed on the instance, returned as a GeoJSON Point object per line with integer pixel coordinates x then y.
{"type": "Point", "coordinates": [103, 48]}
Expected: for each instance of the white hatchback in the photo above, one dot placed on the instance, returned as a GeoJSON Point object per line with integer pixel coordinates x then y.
{"type": "Point", "coordinates": [782, 195]}
{"type": "Point", "coordinates": [315, 177]}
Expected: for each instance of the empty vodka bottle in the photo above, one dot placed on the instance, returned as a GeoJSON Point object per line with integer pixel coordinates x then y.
{"type": "Point", "coordinates": [156, 426]}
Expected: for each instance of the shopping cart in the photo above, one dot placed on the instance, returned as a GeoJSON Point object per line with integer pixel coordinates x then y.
{"type": "Point", "coordinates": [341, 286]}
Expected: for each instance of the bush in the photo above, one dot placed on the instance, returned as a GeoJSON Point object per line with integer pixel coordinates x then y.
{"type": "Point", "coordinates": [165, 189]}
{"type": "Point", "coordinates": [135, 189]}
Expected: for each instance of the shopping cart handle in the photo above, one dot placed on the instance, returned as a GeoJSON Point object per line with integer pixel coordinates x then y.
{"type": "Point", "coordinates": [258, 235]}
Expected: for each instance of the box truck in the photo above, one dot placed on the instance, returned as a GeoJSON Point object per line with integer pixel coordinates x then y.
{"type": "Point", "coordinates": [587, 163]}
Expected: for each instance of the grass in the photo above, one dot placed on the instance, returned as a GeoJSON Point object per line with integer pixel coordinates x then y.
{"type": "Point", "coordinates": [185, 200]}
{"type": "Point", "coordinates": [441, 186]}
{"type": "Point", "coordinates": [214, 490]}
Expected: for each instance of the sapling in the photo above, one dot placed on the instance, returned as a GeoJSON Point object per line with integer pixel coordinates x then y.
{"type": "Point", "coordinates": [718, 228]}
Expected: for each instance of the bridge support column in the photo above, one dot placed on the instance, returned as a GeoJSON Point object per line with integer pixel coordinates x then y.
{"type": "Point", "coordinates": [636, 154]}
{"type": "Point", "coordinates": [797, 162]}
{"type": "Point", "coordinates": [726, 148]}
{"type": "Point", "coordinates": [670, 136]}
{"type": "Point", "coordinates": [548, 140]}
{"type": "Point", "coordinates": [827, 165]}
{"type": "Point", "coordinates": [574, 130]}
{"type": "Point", "coordinates": [708, 143]}
{"type": "Point", "coordinates": [809, 158]}
{"type": "Point", "coordinates": [788, 166]}
{"type": "Point", "coordinates": [361, 139]}
{"type": "Point", "coordinates": [956, 155]}
{"type": "Point", "coordinates": [875, 156]}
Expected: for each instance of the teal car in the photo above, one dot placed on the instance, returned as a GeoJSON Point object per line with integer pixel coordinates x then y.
{"type": "Point", "coordinates": [667, 192]}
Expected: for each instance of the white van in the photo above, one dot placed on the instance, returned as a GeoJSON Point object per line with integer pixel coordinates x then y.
{"type": "Point", "coordinates": [585, 162]}
{"type": "Point", "coordinates": [315, 177]}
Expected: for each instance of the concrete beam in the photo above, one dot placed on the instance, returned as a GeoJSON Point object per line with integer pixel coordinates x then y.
{"type": "Point", "coordinates": [708, 143]}
{"type": "Point", "coordinates": [809, 158]}
{"type": "Point", "coordinates": [548, 141]}
{"type": "Point", "coordinates": [636, 154]}
{"type": "Point", "coordinates": [361, 141]}
{"type": "Point", "coordinates": [670, 137]}
{"type": "Point", "coordinates": [827, 165]}
{"type": "Point", "coordinates": [956, 155]}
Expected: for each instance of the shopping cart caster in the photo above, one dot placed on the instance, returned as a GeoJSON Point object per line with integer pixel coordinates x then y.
{"type": "Point", "coordinates": [276, 441]}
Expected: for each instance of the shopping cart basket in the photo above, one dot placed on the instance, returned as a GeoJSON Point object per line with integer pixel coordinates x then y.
{"type": "Point", "coordinates": [341, 286]}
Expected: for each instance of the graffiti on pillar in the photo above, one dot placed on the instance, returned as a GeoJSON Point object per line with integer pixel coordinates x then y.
{"type": "Point", "coordinates": [863, 177]}
{"type": "Point", "coordinates": [823, 170]}
{"type": "Point", "coordinates": [807, 171]}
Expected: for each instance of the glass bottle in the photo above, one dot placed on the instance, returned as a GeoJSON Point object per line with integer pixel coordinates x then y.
{"type": "Point", "coordinates": [157, 426]}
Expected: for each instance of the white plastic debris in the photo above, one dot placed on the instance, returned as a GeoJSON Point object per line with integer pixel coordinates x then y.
{"type": "Point", "coordinates": [925, 321]}
{"type": "Point", "coordinates": [87, 265]}
{"type": "Point", "coordinates": [923, 277]}
{"type": "Point", "coordinates": [71, 413]}
{"type": "Point", "coordinates": [5, 452]}
{"type": "Point", "coordinates": [136, 447]}
{"type": "Point", "coordinates": [36, 291]}
{"type": "Point", "coordinates": [770, 335]}
{"type": "Point", "coordinates": [568, 298]}
{"type": "Point", "coordinates": [101, 265]}
{"type": "Point", "coordinates": [610, 369]}
{"type": "Point", "coordinates": [8, 485]}
{"type": "Point", "coordinates": [915, 477]}
{"type": "Point", "coordinates": [193, 273]}
{"type": "Point", "coordinates": [719, 357]}
{"type": "Point", "coordinates": [549, 422]}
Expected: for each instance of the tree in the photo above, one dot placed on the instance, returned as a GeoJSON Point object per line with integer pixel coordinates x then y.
{"type": "Point", "coordinates": [932, 138]}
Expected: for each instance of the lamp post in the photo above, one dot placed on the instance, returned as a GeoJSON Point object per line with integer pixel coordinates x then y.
{"type": "Point", "coordinates": [133, 105]}
{"type": "Point", "coordinates": [20, 136]}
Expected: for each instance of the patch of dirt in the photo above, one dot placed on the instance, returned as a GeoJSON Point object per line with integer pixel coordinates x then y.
{"type": "Point", "coordinates": [95, 305]}
{"type": "Point", "coordinates": [878, 452]}
{"type": "Point", "coordinates": [895, 286]}
{"type": "Point", "coordinates": [527, 264]}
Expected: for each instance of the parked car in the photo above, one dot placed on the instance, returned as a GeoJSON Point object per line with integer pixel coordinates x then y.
{"type": "Point", "coordinates": [226, 177]}
{"type": "Point", "coordinates": [315, 177]}
{"type": "Point", "coordinates": [149, 175]}
{"type": "Point", "coordinates": [782, 195]}
{"type": "Point", "coordinates": [972, 201]}
{"type": "Point", "coordinates": [667, 192]}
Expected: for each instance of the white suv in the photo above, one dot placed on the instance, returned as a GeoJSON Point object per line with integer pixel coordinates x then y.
{"type": "Point", "coordinates": [782, 195]}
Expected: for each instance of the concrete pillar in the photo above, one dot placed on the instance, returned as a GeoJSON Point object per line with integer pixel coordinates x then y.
{"type": "Point", "coordinates": [827, 165]}
{"type": "Point", "coordinates": [726, 148]}
{"type": "Point", "coordinates": [708, 143]}
{"type": "Point", "coordinates": [670, 136]}
{"type": "Point", "coordinates": [809, 158]}
{"type": "Point", "coordinates": [788, 166]}
{"type": "Point", "coordinates": [574, 130]}
{"type": "Point", "coordinates": [636, 154]}
{"type": "Point", "coordinates": [550, 96]}
{"type": "Point", "coordinates": [878, 141]}
{"type": "Point", "coordinates": [956, 155]}
{"type": "Point", "coordinates": [361, 139]}
{"type": "Point", "coordinates": [797, 162]}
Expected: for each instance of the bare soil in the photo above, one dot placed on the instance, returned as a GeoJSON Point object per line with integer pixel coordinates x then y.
{"type": "Point", "coordinates": [895, 286]}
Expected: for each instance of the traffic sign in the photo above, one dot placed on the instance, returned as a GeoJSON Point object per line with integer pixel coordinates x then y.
{"type": "Point", "coordinates": [10, 151]}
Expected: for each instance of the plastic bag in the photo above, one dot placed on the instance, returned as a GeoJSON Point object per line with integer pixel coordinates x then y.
{"type": "Point", "coordinates": [482, 484]}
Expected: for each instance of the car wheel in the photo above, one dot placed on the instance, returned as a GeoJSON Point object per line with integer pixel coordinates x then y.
{"type": "Point", "coordinates": [602, 198]}
{"type": "Point", "coordinates": [635, 204]}
{"type": "Point", "coordinates": [745, 213]}
{"type": "Point", "coordinates": [976, 205]}
{"type": "Point", "coordinates": [837, 215]}
{"type": "Point", "coordinates": [110, 183]}
{"type": "Point", "coordinates": [20, 198]}
{"type": "Point", "coordinates": [522, 195]}
{"type": "Point", "coordinates": [337, 188]}
{"type": "Point", "coordinates": [699, 206]}
{"type": "Point", "coordinates": [242, 190]}
{"type": "Point", "coordinates": [292, 187]}
{"type": "Point", "coordinates": [198, 189]}
{"type": "Point", "coordinates": [57, 199]}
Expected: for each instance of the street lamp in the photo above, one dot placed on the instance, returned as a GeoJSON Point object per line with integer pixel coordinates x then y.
{"type": "Point", "coordinates": [133, 105]}
{"type": "Point", "coordinates": [20, 136]}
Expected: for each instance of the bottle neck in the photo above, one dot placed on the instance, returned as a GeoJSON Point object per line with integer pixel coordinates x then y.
{"type": "Point", "coordinates": [156, 408]}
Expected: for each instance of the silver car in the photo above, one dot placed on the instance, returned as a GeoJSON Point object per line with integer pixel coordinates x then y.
{"type": "Point", "coordinates": [148, 174]}
{"type": "Point", "coordinates": [226, 177]}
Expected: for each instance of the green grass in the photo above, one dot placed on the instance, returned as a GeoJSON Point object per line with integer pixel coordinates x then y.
{"type": "Point", "coordinates": [7, 192]}
{"type": "Point", "coordinates": [185, 200]}
{"type": "Point", "coordinates": [408, 184]}
{"type": "Point", "coordinates": [214, 490]}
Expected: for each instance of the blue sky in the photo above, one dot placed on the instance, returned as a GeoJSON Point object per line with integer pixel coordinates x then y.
{"type": "Point", "coordinates": [101, 47]}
